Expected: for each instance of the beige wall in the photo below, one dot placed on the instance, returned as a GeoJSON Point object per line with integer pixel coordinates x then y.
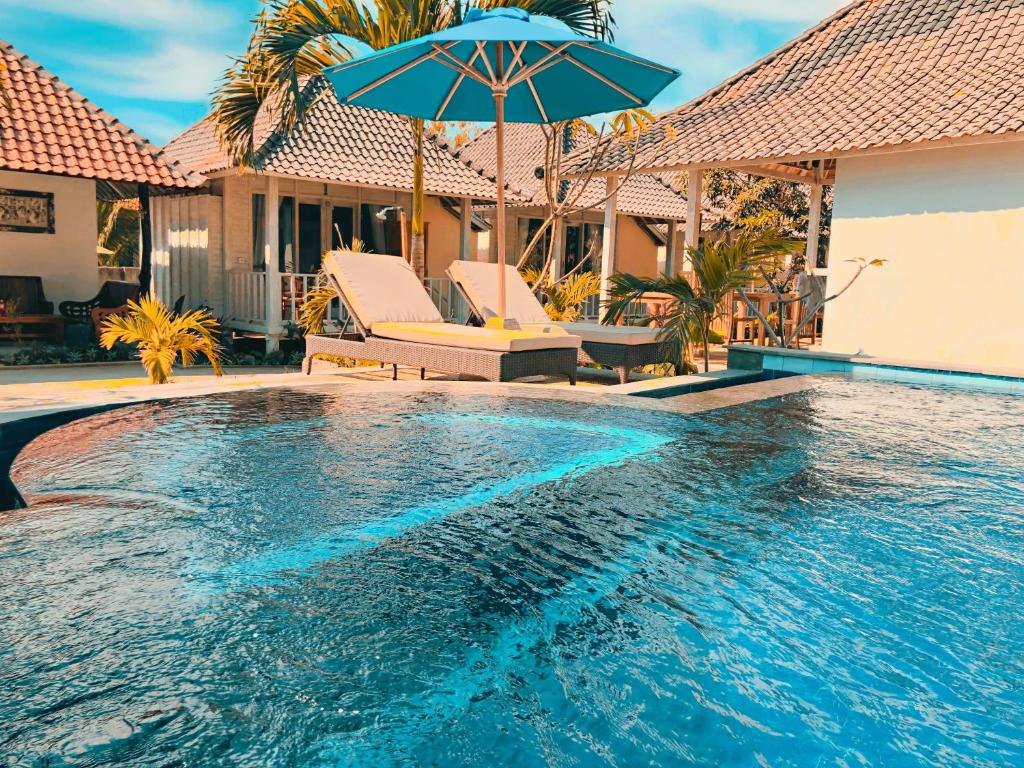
{"type": "Point", "coordinates": [950, 223]}
{"type": "Point", "coordinates": [443, 237]}
{"type": "Point", "coordinates": [635, 252]}
{"type": "Point", "coordinates": [66, 260]}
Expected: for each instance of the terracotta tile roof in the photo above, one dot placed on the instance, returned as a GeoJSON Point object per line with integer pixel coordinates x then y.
{"type": "Point", "coordinates": [343, 144]}
{"type": "Point", "coordinates": [648, 196]}
{"type": "Point", "coordinates": [879, 73]}
{"type": "Point", "coordinates": [50, 128]}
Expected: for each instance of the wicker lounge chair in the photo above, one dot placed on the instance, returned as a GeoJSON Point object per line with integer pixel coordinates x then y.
{"type": "Point", "coordinates": [622, 348]}
{"type": "Point", "coordinates": [396, 322]}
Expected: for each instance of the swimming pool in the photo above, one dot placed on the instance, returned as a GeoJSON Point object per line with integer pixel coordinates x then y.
{"type": "Point", "coordinates": [835, 577]}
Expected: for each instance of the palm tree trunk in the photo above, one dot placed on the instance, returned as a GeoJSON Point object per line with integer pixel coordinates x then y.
{"type": "Point", "coordinates": [705, 331]}
{"type": "Point", "coordinates": [146, 252]}
{"type": "Point", "coordinates": [417, 257]}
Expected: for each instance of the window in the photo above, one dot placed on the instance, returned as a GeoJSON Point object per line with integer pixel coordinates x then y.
{"type": "Point", "coordinates": [528, 229]}
{"type": "Point", "coordinates": [378, 236]}
{"type": "Point", "coordinates": [310, 251]}
{"type": "Point", "coordinates": [582, 242]}
{"type": "Point", "coordinates": [286, 235]}
{"type": "Point", "coordinates": [342, 227]}
{"type": "Point", "coordinates": [259, 232]}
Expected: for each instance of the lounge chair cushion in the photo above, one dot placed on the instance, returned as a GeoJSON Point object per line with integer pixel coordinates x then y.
{"type": "Point", "coordinates": [479, 281]}
{"type": "Point", "coordinates": [381, 289]}
{"type": "Point", "coordinates": [467, 337]}
{"type": "Point", "coordinates": [628, 335]}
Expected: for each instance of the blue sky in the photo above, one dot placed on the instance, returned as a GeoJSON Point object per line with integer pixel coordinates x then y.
{"type": "Point", "coordinates": [153, 63]}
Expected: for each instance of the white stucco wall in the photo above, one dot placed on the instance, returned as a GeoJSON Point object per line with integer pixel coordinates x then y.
{"type": "Point", "coordinates": [66, 260]}
{"type": "Point", "coordinates": [950, 223]}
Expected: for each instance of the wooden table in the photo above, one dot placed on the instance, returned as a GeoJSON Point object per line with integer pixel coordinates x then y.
{"type": "Point", "coordinates": [49, 327]}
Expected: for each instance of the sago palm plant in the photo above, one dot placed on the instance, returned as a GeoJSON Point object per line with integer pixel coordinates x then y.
{"type": "Point", "coordinates": [163, 337]}
{"type": "Point", "coordinates": [566, 296]}
{"type": "Point", "coordinates": [296, 39]}
{"type": "Point", "coordinates": [317, 304]}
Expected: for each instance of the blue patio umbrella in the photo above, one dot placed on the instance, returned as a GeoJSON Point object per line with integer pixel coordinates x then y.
{"type": "Point", "coordinates": [500, 65]}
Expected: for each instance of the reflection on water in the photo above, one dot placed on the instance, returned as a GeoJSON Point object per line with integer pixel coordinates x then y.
{"type": "Point", "coordinates": [831, 578]}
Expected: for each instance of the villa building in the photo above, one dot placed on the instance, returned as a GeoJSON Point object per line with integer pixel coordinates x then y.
{"type": "Point", "coordinates": [645, 243]}
{"type": "Point", "coordinates": [338, 176]}
{"type": "Point", "coordinates": [914, 110]}
{"type": "Point", "coordinates": [59, 154]}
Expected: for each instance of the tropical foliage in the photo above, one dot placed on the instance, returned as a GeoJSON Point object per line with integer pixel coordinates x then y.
{"type": "Point", "coordinates": [163, 338]}
{"type": "Point", "coordinates": [719, 268]}
{"type": "Point", "coordinates": [118, 233]}
{"type": "Point", "coordinates": [761, 204]}
{"type": "Point", "coordinates": [565, 297]}
{"type": "Point", "coordinates": [317, 304]}
{"type": "Point", "coordinates": [296, 39]}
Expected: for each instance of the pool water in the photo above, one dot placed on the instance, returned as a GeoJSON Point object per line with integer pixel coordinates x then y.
{"type": "Point", "coordinates": [310, 578]}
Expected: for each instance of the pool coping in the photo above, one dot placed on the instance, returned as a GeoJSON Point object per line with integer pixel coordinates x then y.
{"type": "Point", "coordinates": [745, 357]}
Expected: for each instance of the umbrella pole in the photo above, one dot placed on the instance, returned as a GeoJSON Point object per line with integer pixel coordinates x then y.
{"type": "Point", "coordinates": [499, 111]}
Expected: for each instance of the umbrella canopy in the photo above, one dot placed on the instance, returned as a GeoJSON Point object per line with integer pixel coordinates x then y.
{"type": "Point", "coordinates": [500, 65]}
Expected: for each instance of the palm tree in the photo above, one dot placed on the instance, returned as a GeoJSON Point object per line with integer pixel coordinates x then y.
{"type": "Point", "coordinates": [162, 337]}
{"type": "Point", "coordinates": [720, 267]}
{"type": "Point", "coordinates": [297, 39]}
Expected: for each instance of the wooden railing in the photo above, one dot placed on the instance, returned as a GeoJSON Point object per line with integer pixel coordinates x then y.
{"type": "Point", "coordinates": [247, 302]}
{"type": "Point", "coordinates": [591, 311]}
{"type": "Point", "coordinates": [447, 299]}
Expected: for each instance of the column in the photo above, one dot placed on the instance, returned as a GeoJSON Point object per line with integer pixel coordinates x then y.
{"type": "Point", "coordinates": [466, 230]}
{"type": "Point", "coordinates": [608, 238]}
{"type": "Point", "coordinates": [694, 212]}
{"type": "Point", "coordinates": [272, 273]}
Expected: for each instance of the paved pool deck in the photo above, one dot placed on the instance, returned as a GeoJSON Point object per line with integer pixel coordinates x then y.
{"type": "Point", "coordinates": [28, 392]}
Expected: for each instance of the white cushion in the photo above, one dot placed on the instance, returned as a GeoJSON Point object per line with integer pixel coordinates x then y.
{"type": "Point", "coordinates": [629, 335]}
{"type": "Point", "coordinates": [381, 289]}
{"type": "Point", "coordinates": [467, 337]}
{"type": "Point", "coordinates": [479, 281]}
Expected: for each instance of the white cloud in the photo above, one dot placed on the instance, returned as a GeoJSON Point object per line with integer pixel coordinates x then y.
{"type": "Point", "coordinates": [157, 127]}
{"type": "Point", "coordinates": [173, 72]}
{"type": "Point", "coordinates": [793, 11]}
{"type": "Point", "coordinates": [157, 15]}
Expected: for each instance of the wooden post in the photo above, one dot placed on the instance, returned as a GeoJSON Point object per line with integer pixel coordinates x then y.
{"type": "Point", "coordinates": [694, 211]}
{"type": "Point", "coordinates": [814, 228]}
{"type": "Point", "coordinates": [271, 267]}
{"type": "Point", "coordinates": [671, 246]}
{"type": "Point", "coordinates": [146, 252]}
{"type": "Point", "coordinates": [500, 92]}
{"type": "Point", "coordinates": [557, 249]}
{"type": "Point", "coordinates": [466, 230]}
{"type": "Point", "coordinates": [609, 236]}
